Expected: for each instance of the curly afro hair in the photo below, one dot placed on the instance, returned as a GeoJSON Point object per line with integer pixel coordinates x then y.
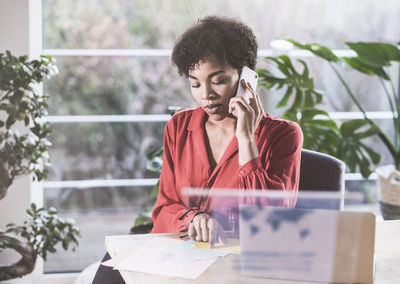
{"type": "Point", "coordinates": [231, 41]}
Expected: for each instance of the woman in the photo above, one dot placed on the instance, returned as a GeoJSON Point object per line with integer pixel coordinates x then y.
{"type": "Point", "coordinates": [209, 147]}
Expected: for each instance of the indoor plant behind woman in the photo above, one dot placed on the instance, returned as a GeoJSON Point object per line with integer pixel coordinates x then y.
{"type": "Point", "coordinates": [373, 59]}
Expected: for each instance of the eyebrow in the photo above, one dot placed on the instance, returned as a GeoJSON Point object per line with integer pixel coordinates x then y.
{"type": "Point", "coordinates": [209, 76]}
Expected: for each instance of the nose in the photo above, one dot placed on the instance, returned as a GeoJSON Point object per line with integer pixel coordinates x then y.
{"type": "Point", "coordinates": [207, 92]}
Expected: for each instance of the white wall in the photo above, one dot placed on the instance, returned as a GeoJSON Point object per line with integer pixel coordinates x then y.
{"type": "Point", "coordinates": [21, 33]}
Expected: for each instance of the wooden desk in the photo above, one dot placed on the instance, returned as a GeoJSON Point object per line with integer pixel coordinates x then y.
{"type": "Point", "coordinates": [387, 261]}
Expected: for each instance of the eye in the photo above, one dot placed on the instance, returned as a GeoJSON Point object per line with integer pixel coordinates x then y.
{"type": "Point", "coordinates": [220, 82]}
{"type": "Point", "coordinates": [196, 86]}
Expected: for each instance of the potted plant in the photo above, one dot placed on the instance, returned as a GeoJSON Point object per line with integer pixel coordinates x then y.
{"type": "Point", "coordinates": [347, 140]}
{"type": "Point", "coordinates": [26, 153]}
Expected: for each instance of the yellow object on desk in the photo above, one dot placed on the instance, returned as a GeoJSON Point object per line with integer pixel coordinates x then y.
{"type": "Point", "coordinates": [231, 246]}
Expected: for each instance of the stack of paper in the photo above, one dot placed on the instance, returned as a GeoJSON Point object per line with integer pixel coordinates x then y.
{"type": "Point", "coordinates": [169, 257]}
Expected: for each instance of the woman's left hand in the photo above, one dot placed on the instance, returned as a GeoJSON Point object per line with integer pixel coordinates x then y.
{"type": "Point", "coordinates": [248, 113]}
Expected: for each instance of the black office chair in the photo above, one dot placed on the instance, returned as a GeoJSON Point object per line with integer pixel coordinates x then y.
{"type": "Point", "coordinates": [321, 172]}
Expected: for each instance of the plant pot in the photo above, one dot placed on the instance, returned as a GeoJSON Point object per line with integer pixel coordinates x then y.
{"type": "Point", "coordinates": [389, 191]}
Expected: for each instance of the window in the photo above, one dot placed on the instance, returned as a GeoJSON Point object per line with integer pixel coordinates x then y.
{"type": "Point", "coordinates": [109, 103]}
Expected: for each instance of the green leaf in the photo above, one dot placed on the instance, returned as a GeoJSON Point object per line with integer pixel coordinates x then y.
{"type": "Point", "coordinates": [353, 151]}
{"type": "Point", "coordinates": [26, 120]}
{"type": "Point", "coordinates": [154, 159]}
{"type": "Point", "coordinates": [375, 157]}
{"type": "Point", "coordinates": [359, 65]}
{"type": "Point", "coordinates": [349, 127]}
{"type": "Point", "coordinates": [317, 49]}
{"type": "Point", "coordinates": [320, 132]}
{"type": "Point", "coordinates": [304, 96]}
{"type": "Point", "coordinates": [284, 101]}
{"type": "Point", "coordinates": [143, 219]}
{"type": "Point", "coordinates": [308, 99]}
{"type": "Point", "coordinates": [154, 192]}
{"type": "Point", "coordinates": [376, 54]}
{"type": "Point", "coordinates": [10, 121]}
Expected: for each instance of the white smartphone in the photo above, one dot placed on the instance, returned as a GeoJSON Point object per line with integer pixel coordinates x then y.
{"type": "Point", "coordinates": [249, 76]}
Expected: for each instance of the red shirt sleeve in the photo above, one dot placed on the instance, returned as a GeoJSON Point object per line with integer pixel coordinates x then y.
{"type": "Point", "coordinates": [169, 213]}
{"type": "Point", "coordinates": [282, 169]}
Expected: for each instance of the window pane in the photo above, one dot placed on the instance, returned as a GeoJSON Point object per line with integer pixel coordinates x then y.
{"type": "Point", "coordinates": [103, 150]}
{"type": "Point", "coordinates": [158, 23]}
{"type": "Point", "coordinates": [116, 85]}
{"type": "Point", "coordinates": [98, 212]}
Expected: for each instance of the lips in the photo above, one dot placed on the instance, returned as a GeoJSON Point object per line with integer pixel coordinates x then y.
{"type": "Point", "coordinates": [212, 108]}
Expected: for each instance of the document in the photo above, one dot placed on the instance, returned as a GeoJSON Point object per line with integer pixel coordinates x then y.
{"type": "Point", "coordinates": [169, 257]}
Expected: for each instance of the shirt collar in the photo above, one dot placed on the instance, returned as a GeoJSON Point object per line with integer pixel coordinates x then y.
{"type": "Point", "coordinates": [196, 122]}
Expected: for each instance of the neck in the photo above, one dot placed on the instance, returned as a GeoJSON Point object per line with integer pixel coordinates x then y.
{"type": "Point", "coordinates": [226, 124]}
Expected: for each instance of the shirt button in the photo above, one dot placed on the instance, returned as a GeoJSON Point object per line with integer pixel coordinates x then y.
{"type": "Point", "coordinates": [242, 171]}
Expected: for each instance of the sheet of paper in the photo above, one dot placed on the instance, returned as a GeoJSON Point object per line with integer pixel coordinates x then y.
{"type": "Point", "coordinates": [117, 259]}
{"type": "Point", "coordinates": [117, 245]}
{"type": "Point", "coordinates": [186, 250]}
{"type": "Point", "coordinates": [151, 259]}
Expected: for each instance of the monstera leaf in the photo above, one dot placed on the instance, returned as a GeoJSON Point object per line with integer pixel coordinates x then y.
{"type": "Point", "coordinates": [299, 85]}
{"type": "Point", "coordinates": [317, 49]}
{"type": "Point", "coordinates": [352, 150]}
{"type": "Point", "coordinates": [372, 57]}
{"type": "Point", "coordinates": [359, 65]}
{"type": "Point", "coordinates": [376, 54]}
{"type": "Point", "coordinates": [319, 131]}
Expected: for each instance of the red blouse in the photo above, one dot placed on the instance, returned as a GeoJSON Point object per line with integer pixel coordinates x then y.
{"type": "Point", "coordinates": [186, 164]}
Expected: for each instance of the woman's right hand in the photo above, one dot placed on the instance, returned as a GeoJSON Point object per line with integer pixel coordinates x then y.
{"type": "Point", "coordinates": [202, 228]}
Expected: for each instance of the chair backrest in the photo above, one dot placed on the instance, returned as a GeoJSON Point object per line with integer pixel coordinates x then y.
{"type": "Point", "coordinates": [321, 172]}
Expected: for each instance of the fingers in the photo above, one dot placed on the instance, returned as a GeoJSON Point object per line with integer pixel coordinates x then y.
{"type": "Point", "coordinates": [204, 229]}
{"type": "Point", "coordinates": [257, 101]}
{"type": "Point", "coordinates": [198, 229]}
{"type": "Point", "coordinates": [249, 90]}
{"type": "Point", "coordinates": [216, 233]}
{"type": "Point", "coordinates": [192, 231]}
{"type": "Point", "coordinates": [239, 102]}
{"type": "Point", "coordinates": [211, 232]}
{"type": "Point", "coordinates": [253, 100]}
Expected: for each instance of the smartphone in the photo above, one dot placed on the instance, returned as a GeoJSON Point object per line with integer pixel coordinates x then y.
{"type": "Point", "coordinates": [249, 76]}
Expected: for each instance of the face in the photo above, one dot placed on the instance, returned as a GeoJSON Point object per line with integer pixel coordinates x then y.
{"type": "Point", "coordinates": [213, 84]}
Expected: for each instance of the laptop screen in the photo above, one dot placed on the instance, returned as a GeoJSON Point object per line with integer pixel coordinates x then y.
{"type": "Point", "coordinates": [297, 236]}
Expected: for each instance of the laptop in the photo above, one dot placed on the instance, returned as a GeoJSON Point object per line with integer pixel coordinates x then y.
{"type": "Point", "coordinates": [306, 244]}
